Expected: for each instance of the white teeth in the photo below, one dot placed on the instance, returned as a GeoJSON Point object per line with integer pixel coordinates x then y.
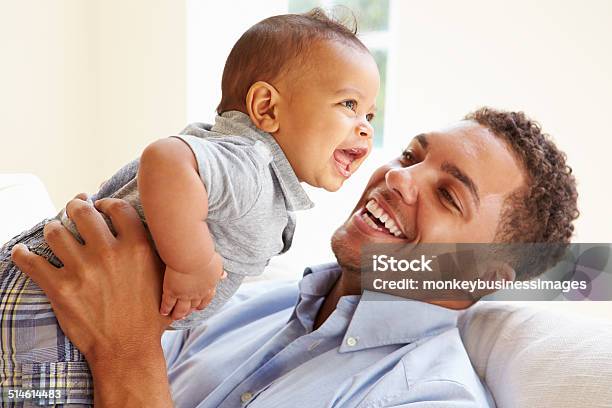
{"type": "Point", "coordinates": [390, 224]}
{"type": "Point", "coordinates": [370, 222]}
{"type": "Point", "coordinates": [374, 209]}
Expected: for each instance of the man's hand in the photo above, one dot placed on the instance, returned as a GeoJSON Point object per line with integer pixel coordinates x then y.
{"type": "Point", "coordinates": [106, 298]}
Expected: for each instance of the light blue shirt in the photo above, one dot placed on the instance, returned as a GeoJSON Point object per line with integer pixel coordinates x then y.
{"type": "Point", "coordinates": [374, 350]}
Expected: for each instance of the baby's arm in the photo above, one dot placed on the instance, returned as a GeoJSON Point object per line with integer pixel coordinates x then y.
{"type": "Point", "coordinates": [175, 204]}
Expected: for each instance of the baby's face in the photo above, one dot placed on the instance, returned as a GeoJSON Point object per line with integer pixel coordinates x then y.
{"type": "Point", "coordinates": [325, 111]}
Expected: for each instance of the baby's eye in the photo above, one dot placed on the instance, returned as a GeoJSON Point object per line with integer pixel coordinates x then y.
{"type": "Point", "coordinates": [370, 117]}
{"type": "Point", "coordinates": [351, 104]}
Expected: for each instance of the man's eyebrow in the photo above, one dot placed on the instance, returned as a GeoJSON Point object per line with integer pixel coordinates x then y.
{"type": "Point", "coordinates": [422, 139]}
{"type": "Point", "coordinates": [463, 178]}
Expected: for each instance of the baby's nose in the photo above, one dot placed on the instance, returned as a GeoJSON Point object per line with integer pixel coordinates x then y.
{"type": "Point", "coordinates": [366, 130]}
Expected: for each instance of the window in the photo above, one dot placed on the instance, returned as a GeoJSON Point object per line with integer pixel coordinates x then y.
{"type": "Point", "coordinates": [373, 25]}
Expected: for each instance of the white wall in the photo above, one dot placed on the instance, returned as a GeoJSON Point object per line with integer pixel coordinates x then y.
{"type": "Point", "coordinates": [141, 62]}
{"type": "Point", "coordinates": [46, 72]}
{"type": "Point", "coordinates": [85, 85]}
{"type": "Point", "coordinates": [212, 30]}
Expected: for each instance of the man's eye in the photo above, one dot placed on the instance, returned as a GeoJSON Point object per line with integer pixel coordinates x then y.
{"type": "Point", "coordinates": [449, 198]}
{"type": "Point", "coordinates": [351, 104]}
{"type": "Point", "coordinates": [408, 156]}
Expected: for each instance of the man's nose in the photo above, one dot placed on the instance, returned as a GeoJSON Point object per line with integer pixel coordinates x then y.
{"type": "Point", "coordinates": [401, 182]}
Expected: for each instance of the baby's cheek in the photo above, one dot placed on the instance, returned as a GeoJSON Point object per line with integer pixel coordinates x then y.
{"type": "Point", "coordinates": [359, 162]}
{"type": "Point", "coordinates": [364, 158]}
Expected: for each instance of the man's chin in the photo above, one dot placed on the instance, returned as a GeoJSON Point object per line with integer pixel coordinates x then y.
{"type": "Point", "coordinates": [347, 255]}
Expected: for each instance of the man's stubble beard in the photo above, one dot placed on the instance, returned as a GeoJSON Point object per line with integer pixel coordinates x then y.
{"type": "Point", "coordinates": [348, 257]}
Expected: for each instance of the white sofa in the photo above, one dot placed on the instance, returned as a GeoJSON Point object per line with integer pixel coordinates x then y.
{"type": "Point", "coordinates": [534, 356]}
{"type": "Point", "coordinates": [24, 201]}
{"type": "Point", "coordinates": [530, 357]}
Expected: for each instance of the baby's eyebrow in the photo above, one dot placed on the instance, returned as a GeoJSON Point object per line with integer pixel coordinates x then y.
{"type": "Point", "coordinates": [349, 90]}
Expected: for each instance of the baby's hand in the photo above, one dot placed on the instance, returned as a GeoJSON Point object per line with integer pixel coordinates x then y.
{"type": "Point", "coordinates": [185, 292]}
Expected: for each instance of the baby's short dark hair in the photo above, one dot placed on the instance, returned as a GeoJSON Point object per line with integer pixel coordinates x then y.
{"type": "Point", "coordinates": [274, 45]}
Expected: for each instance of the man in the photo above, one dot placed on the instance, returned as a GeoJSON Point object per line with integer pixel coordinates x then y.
{"type": "Point", "coordinates": [493, 177]}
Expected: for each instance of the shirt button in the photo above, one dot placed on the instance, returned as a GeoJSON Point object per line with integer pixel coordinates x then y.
{"type": "Point", "coordinates": [351, 342]}
{"type": "Point", "coordinates": [246, 397]}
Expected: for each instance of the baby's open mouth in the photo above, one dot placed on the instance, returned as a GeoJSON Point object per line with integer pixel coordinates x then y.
{"type": "Point", "coordinates": [345, 157]}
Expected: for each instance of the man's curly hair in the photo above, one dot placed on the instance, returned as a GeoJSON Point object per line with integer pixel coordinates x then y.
{"type": "Point", "coordinates": [544, 210]}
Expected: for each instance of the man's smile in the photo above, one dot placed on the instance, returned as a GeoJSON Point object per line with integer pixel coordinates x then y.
{"type": "Point", "coordinates": [377, 219]}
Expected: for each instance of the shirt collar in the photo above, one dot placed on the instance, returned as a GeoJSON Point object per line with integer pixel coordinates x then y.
{"type": "Point", "coordinates": [319, 279]}
{"type": "Point", "coordinates": [382, 319]}
{"type": "Point", "coordinates": [316, 283]}
{"type": "Point", "coordinates": [379, 319]}
{"type": "Point", "coordinates": [238, 123]}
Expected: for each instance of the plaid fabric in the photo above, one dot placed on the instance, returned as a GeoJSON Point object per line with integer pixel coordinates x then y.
{"type": "Point", "coordinates": [35, 353]}
{"type": "Point", "coordinates": [39, 366]}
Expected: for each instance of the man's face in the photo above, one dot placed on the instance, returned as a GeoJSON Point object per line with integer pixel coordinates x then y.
{"type": "Point", "coordinates": [448, 186]}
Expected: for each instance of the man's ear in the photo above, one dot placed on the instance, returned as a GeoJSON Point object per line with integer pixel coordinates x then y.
{"type": "Point", "coordinates": [495, 271]}
{"type": "Point", "coordinates": [500, 271]}
{"type": "Point", "coordinates": [262, 106]}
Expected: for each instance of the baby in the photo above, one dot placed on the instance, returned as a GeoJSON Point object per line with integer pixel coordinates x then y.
{"type": "Point", "coordinates": [298, 96]}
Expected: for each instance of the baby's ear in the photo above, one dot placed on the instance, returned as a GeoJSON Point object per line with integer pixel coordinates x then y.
{"type": "Point", "coordinates": [262, 106]}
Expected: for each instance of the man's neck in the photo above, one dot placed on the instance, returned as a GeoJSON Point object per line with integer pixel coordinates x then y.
{"type": "Point", "coordinates": [347, 284]}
